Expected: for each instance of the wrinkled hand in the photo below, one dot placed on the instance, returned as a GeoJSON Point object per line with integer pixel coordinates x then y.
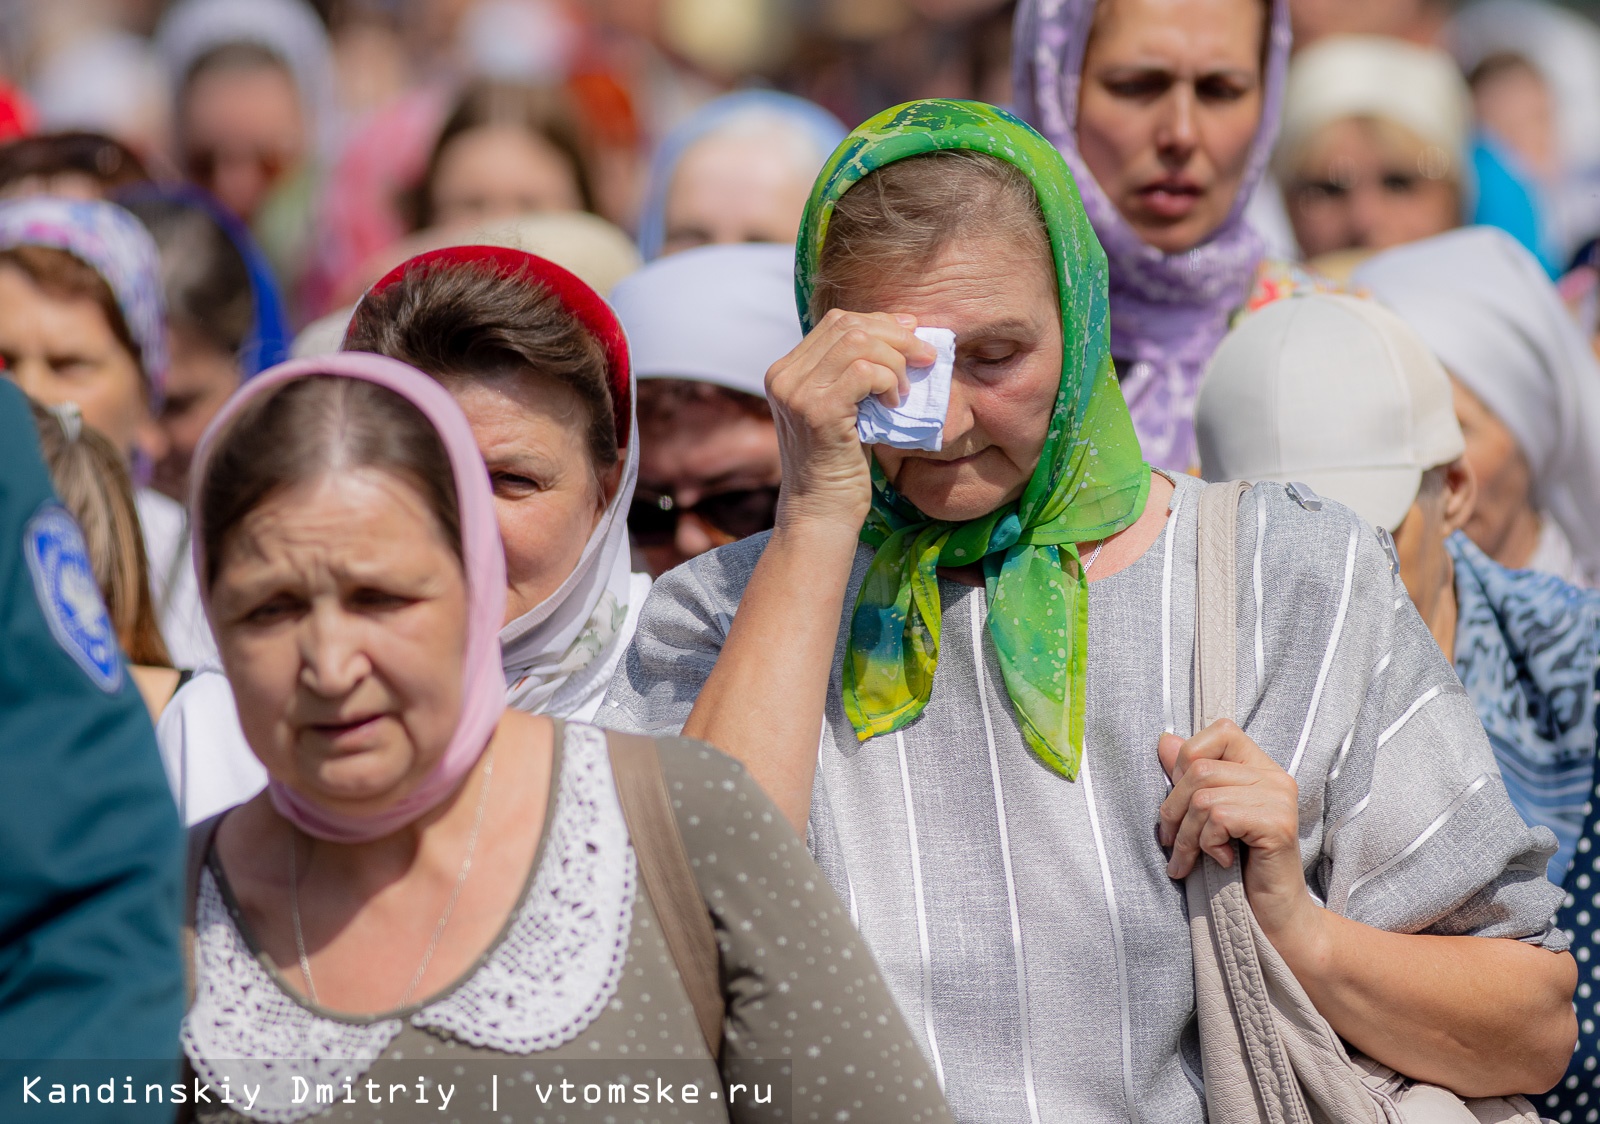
{"type": "Point", "coordinates": [1225, 788]}
{"type": "Point", "coordinates": [814, 390]}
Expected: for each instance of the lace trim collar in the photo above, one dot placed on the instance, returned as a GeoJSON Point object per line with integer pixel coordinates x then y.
{"type": "Point", "coordinates": [549, 977]}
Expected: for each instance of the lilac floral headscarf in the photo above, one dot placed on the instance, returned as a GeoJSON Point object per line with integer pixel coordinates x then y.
{"type": "Point", "coordinates": [116, 246]}
{"type": "Point", "coordinates": [1168, 311]}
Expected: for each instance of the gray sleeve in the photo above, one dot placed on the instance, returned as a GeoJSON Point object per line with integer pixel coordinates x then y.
{"type": "Point", "coordinates": [799, 982]}
{"type": "Point", "coordinates": [1419, 833]}
{"type": "Point", "coordinates": [679, 636]}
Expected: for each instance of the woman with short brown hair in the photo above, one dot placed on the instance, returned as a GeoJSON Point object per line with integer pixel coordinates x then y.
{"type": "Point", "coordinates": [540, 365]}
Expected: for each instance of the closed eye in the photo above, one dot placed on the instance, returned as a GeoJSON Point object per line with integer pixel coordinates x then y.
{"type": "Point", "coordinates": [991, 361]}
{"type": "Point", "coordinates": [514, 484]}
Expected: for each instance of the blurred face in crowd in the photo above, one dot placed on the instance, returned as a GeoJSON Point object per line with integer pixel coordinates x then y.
{"type": "Point", "coordinates": [548, 492]}
{"type": "Point", "coordinates": [200, 378]}
{"type": "Point", "coordinates": [340, 614]}
{"type": "Point", "coordinates": [708, 470]}
{"type": "Point", "coordinates": [1514, 105]}
{"type": "Point", "coordinates": [997, 292]}
{"type": "Point", "coordinates": [1504, 480]}
{"type": "Point", "coordinates": [739, 186]}
{"type": "Point", "coordinates": [1407, 19]}
{"type": "Point", "coordinates": [1170, 102]}
{"type": "Point", "coordinates": [62, 349]}
{"type": "Point", "coordinates": [500, 171]}
{"type": "Point", "coordinates": [243, 132]}
{"type": "Point", "coordinates": [1362, 183]}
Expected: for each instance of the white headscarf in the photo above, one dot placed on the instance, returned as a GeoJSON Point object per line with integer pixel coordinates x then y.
{"type": "Point", "coordinates": [716, 314]}
{"type": "Point", "coordinates": [1376, 76]}
{"type": "Point", "coordinates": [559, 656]}
{"type": "Point", "coordinates": [1487, 309]}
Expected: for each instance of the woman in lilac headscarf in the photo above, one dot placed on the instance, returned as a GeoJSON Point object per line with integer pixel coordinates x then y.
{"type": "Point", "coordinates": [1166, 115]}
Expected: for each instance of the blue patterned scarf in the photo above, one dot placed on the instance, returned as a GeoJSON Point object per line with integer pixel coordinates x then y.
{"type": "Point", "coordinates": [1527, 650]}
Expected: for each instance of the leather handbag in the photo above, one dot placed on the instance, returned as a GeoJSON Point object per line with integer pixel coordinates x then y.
{"type": "Point", "coordinates": [1267, 1055]}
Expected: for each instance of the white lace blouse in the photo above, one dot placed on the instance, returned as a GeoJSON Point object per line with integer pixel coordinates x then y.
{"type": "Point", "coordinates": [581, 972]}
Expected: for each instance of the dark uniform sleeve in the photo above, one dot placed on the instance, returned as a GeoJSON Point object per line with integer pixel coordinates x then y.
{"type": "Point", "coordinates": [799, 983]}
{"type": "Point", "coordinates": [90, 847]}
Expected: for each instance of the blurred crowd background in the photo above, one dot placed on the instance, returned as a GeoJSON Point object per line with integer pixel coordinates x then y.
{"type": "Point", "coordinates": [340, 129]}
{"type": "Point", "coordinates": [285, 154]}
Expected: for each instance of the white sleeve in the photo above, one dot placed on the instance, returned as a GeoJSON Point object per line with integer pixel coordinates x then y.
{"type": "Point", "coordinates": [209, 764]}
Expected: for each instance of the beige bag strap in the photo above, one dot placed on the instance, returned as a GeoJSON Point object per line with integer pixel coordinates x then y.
{"type": "Point", "coordinates": [1248, 1077]}
{"type": "Point", "coordinates": [1216, 603]}
{"type": "Point", "coordinates": [668, 878]}
{"type": "Point", "coordinates": [200, 837]}
{"type": "Point", "coordinates": [1267, 1054]}
{"type": "Point", "coordinates": [199, 846]}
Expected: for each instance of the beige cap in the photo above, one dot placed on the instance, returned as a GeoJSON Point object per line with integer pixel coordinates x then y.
{"type": "Point", "coordinates": [1331, 391]}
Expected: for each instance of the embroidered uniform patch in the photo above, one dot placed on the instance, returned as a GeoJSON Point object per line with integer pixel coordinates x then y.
{"type": "Point", "coordinates": [64, 583]}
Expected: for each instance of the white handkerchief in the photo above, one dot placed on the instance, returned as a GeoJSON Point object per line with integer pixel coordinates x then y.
{"type": "Point", "coordinates": [918, 422]}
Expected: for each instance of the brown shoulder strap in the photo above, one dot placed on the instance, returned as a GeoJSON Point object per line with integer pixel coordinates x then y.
{"type": "Point", "coordinates": [200, 836]}
{"type": "Point", "coordinates": [668, 878]}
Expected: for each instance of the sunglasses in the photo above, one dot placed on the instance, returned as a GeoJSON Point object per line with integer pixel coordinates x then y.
{"type": "Point", "coordinates": [653, 518]}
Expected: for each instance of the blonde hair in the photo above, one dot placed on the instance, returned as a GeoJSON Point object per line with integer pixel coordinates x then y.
{"type": "Point", "coordinates": [92, 481]}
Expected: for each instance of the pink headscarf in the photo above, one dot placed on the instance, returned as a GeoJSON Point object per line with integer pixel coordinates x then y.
{"type": "Point", "coordinates": [483, 689]}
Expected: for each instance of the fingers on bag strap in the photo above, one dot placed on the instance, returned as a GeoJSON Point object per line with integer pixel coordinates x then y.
{"type": "Point", "coordinates": [668, 878]}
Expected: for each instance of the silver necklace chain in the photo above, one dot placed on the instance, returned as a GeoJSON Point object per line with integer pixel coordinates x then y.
{"type": "Point", "coordinates": [1093, 554]}
{"type": "Point", "coordinates": [444, 918]}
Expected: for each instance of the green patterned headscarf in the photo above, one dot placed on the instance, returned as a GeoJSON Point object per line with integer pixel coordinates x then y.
{"type": "Point", "coordinates": [1091, 480]}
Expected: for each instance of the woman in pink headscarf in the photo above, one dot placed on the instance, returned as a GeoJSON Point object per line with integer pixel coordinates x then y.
{"type": "Point", "coordinates": [433, 879]}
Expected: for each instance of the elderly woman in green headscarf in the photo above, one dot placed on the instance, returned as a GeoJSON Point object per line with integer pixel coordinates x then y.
{"type": "Point", "coordinates": [967, 673]}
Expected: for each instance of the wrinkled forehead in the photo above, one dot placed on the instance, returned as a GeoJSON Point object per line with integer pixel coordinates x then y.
{"type": "Point", "coordinates": [972, 282]}
{"type": "Point", "coordinates": [361, 521]}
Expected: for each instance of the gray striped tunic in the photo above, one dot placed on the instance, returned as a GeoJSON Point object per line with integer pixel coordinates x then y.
{"type": "Point", "coordinates": [1026, 924]}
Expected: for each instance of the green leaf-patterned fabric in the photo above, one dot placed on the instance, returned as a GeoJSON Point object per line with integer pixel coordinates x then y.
{"type": "Point", "coordinates": [1091, 480]}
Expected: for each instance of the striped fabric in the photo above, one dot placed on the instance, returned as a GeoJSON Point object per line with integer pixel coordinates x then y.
{"type": "Point", "coordinates": [1025, 923]}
